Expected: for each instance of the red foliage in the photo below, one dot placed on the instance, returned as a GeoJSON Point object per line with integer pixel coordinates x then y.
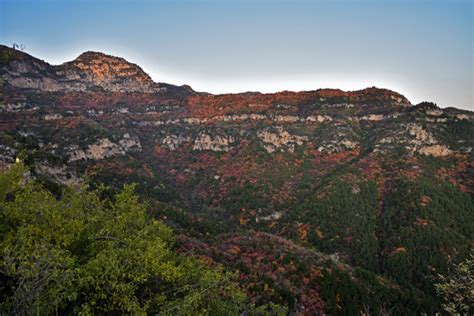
{"type": "Point", "coordinates": [261, 257]}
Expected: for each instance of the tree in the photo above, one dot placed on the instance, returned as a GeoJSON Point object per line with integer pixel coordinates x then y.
{"type": "Point", "coordinates": [457, 288]}
{"type": "Point", "coordinates": [21, 47]}
{"type": "Point", "coordinates": [83, 253]}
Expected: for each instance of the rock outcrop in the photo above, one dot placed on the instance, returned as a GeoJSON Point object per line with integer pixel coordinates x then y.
{"type": "Point", "coordinates": [172, 142]}
{"type": "Point", "coordinates": [107, 72]}
{"type": "Point", "coordinates": [130, 143]}
{"type": "Point", "coordinates": [214, 143]}
{"type": "Point", "coordinates": [102, 148]}
{"type": "Point", "coordinates": [276, 138]}
{"type": "Point", "coordinates": [91, 71]}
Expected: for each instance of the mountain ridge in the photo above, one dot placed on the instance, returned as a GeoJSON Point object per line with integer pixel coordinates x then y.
{"type": "Point", "coordinates": [363, 179]}
{"type": "Point", "coordinates": [89, 71]}
{"type": "Point", "coordinates": [145, 84]}
{"type": "Point", "coordinates": [91, 61]}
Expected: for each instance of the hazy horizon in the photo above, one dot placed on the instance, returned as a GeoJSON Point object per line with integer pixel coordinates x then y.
{"type": "Point", "coordinates": [421, 49]}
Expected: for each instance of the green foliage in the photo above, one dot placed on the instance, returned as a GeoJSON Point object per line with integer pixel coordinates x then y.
{"type": "Point", "coordinates": [5, 57]}
{"type": "Point", "coordinates": [346, 220]}
{"type": "Point", "coordinates": [248, 196]}
{"type": "Point", "coordinates": [152, 188]}
{"type": "Point", "coordinates": [423, 224]}
{"type": "Point", "coordinates": [429, 222]}
{"type": "Point", "coordinates": [457, 288]}
{"type": "Point", "coordinates": [85, 254]}
{"type": "Point", "coordinates": [364, 293]}
{"type": "Point", "coordinates": [427, 105]}
{"type": "Point", "coordinates": [456, 130]}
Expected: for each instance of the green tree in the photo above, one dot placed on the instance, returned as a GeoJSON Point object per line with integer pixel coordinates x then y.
{"type": "Point", "coordinates": [82, 253]}
{"type": "Point", "coordinates": [457, 288]}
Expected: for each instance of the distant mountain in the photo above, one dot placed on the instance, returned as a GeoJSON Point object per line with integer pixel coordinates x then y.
{"type": "Point", "coordinates": [341, 200]}
{"type": "Point", "coordinates": [91, 71]}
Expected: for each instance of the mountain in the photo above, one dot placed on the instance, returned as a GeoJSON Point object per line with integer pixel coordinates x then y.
{"type": "Point", "coordinates": [91, 71]}
{"type": "Point", "coordinates": [324, 201]}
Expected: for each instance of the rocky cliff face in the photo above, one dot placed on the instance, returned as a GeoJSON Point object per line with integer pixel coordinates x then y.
{"type": "Point", "coordinates": [108, 72]}
{"type": "Point", "coordinates": [90, 71]}
{"type": "Point", "coordinates": [106, 108]}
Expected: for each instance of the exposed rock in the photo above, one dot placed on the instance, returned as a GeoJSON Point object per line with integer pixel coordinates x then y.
{"type": "Point", "coordinates": [52, 117]}
{"type": "Point", "coordinates": [173, 141]}
{"type": "Point", "coordinates": [337, 146]}
{"type": "Point", "coordinates": [90, 71]}
{"type": "Point", "coordinates": [14, 107]}
{"type": "Point", "coordinates": [58, 173]}
{"type": "Point", "coordinates": [172, 122]}
{"type": "Point", "coordinates": [214, 143]}
{"type": "Point", "coordinates": [462, 117]}
{"type": "Point", "coordinates": [130, 143]}
{"type": "Point", "coordinates": [437, 120]}
{"type": "Point", "coordinates": [286, 118]}
{"type": "Point", "coordinates": [318, 118]}
{"type": "Point", "coordinates": [93, 112]}
{"type": "Point", "coordinates": [338, 137]}
{"type": "Point", "coordinates": [421, 136]}
{"type": "Point", "coordinates": [373, 117]}
{"type": "Point", "coordinates": [394, 115]}
{"type": "Point", "coordinates": [355, 189]}
{"type": "Point", "coordinates": [240, 117]}
{"type": "Point", "coordinates": [192, 120]}
{"type": "Point", "coordinates": [277, 138]}
{"type": "Point", "coordinates": [156, 123]}
{"type": "Point", "coordinates": [257, 117]}
{"type": "Point", "coordinates": [101, 149]}
{"type": "Point", "coordinates": [273, 216]}
{"type": "Point", "coordinates": [284, 106]}
{"type": "Point", "coordinates": [348, 144]}
{"type": "Point", "coordinates": [436, 112]}
{"type": "Point", "coordinates": [435, 150]}
{"type": "Point", "coordinates": [108, 72]}
{"type": "Point", "coordinates": [418, 141]}
{"type": "Point", "coordinates": [7, 156]}
{"type": "Point", "coordinates": [398, 99]}
{"type": "Point", "coordinates": [122, 110]}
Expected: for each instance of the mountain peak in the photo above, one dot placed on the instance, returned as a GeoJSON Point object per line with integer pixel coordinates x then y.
{"type": "Point", "coordinates": [96, 54]}
{"type": "Point", "coordinates": [381, 93]}
{"type": "Point", "coordinates": [90, 70]}
{"type": "Point", "coordinates": [92, 57]}
{"type": "Point", "coordinates": [109, 72]}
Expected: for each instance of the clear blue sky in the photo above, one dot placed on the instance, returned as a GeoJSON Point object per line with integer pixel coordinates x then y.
{"type": "Point", "coordinates": [423, 49]}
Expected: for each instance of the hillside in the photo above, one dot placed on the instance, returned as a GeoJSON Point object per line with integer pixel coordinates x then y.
{"type": "Point", "coordinates": [323, 201]}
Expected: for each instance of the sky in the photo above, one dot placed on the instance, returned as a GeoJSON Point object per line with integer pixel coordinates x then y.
{"type": "Point", "coordinates": [420, 48]}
